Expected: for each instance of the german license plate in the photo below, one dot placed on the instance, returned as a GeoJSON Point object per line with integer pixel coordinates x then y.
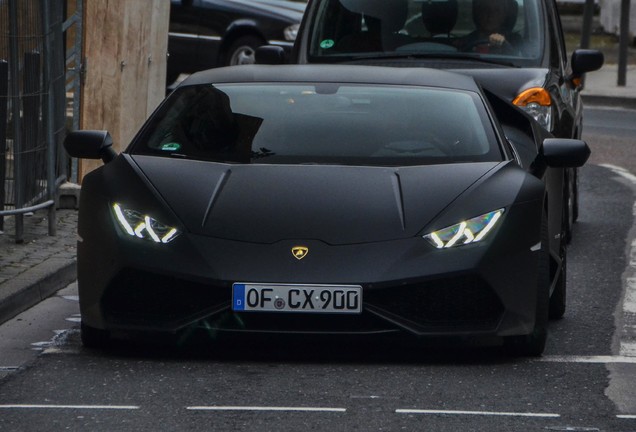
{"type": "Point", "coordinates": [251, 297]}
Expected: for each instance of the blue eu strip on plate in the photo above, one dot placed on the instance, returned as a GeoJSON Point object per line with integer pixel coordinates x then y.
{"type": "Point", "coordinates": [238, 297]}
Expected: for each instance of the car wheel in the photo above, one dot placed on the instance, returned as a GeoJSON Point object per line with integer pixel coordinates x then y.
{"type": "Point", "coordinates": [93, 337]}
{"type": "Point", "coordinates": [242, 51]}
{"type": "Point", "coordinates": [533, 344]}
{"type": "Point", "coordinates": [558, 298]}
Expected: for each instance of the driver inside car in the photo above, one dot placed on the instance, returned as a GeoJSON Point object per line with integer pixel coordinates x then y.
{"type": "Point", "coordinates": [494, 23]}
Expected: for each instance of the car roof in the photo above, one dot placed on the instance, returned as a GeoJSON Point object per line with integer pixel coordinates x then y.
{"type": "Point", "coordinates": [334, 73]}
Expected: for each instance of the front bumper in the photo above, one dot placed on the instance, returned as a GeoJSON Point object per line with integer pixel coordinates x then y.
{"type": "Point", "coordinates": [487, 288]}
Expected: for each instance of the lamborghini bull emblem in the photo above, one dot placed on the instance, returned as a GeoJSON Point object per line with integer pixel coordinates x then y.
{"type": "Point", "coordinates": [300, 252]}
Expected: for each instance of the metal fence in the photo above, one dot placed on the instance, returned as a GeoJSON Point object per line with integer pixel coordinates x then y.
{"type": "Point", "coordinates": [33, 105]}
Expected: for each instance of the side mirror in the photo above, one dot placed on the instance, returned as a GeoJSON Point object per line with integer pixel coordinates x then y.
{"type": "Point", "coordinates": [90, 144]}
{"type": "Point", "coordinates": [565, 153]}
{"type": "Point", "coordinates": [586, 60]}
{"type": "Point", "coordinates": [270, 55]}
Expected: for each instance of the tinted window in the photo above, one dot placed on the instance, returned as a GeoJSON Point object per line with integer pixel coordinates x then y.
{"type": "Point", "coordinates": [353, 28]}
{"type": "Point", "coordinates": [321, 123]}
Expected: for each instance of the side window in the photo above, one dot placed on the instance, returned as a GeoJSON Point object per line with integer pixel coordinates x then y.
{"type": "Point", "coordinates": [558, 53]}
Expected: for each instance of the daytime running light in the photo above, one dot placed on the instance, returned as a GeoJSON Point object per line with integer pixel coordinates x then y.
{"type": "Point", "coordinates": [142, 226]}
{"type": "Point", "coordinates": [470, 231]}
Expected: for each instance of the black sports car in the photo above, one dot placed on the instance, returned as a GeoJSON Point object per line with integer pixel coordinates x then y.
{"type": "Point", "coordinates": [326, 199]}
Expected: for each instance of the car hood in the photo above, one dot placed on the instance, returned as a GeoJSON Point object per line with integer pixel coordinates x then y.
{"type": "Point", "coordinates": [504, 81]}
{"type": "Point", "coordinates": [334, 204]}
{"type": "Point", "coordinates": [507, 82]}
{"type": "Point", "coordinates": [289, 9]}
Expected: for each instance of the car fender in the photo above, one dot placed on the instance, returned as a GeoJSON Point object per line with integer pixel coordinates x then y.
{"type": "Point", "coordinates": [237, 29]}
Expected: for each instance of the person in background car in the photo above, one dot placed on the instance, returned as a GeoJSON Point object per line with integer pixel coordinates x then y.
{"type": "Point", "coordinates": [494, 22]}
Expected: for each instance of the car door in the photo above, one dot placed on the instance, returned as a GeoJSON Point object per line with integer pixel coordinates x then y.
{"type": "Point", "coordinates": [182, 38]}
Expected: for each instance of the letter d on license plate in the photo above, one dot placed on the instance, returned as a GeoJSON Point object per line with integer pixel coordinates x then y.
{"type": "Point", "coordinates": [249, 297]}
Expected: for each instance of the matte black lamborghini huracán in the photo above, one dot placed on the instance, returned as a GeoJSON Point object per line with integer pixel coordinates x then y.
{"type": "Point", "coordinates": [331, 199]}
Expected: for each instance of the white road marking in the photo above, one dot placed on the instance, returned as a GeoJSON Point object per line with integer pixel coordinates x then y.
{"type": "Point", "coordinates": [264, 408]}
{"type": "Point", "coordinates": [96, 407]}
{"type": "Point", "coordinates": [477, 413]}
{"type": "Point", "coordinates": [626, 416]}
{"type": "Point", "coordinates": [626, 319]}
{"type": "Point", "coordinates": [629, 303]}
{"type": "Point", "coordinates": [588, 359]}
{"type": "Point", "coordinates": [628, 349]}
{"type": "Point", "coordinates": [621, 172]}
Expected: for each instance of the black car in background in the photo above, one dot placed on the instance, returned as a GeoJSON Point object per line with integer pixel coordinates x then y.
{"type": "Point", "coordinates": [210, 33]}
{"type": "Point", "coordinates": [531, 68]}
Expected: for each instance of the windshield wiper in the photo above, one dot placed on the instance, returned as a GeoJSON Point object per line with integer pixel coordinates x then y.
{"type": "Point", "coordinates": [178, 155]}
{"type": "Point", "coordinates": [262, 152]}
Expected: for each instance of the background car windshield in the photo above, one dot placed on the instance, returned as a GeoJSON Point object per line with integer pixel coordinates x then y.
{"type": "Point", "coordinates": [359, 28]}
{"type": "Point", "coordinates": [321, 123]}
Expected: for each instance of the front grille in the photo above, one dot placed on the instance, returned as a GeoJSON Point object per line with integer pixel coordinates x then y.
{"type": "Point", "coordinates": [462, 301]}
{"type": "Point", "coordinates": [311, 323]}
{"type": "Point", "coordinates": [148, 298]}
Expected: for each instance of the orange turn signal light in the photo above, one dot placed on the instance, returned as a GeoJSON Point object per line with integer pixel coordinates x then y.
{"type": "Point", "coordinates": [537, 95]}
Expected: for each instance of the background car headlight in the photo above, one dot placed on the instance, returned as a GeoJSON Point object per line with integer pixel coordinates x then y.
{"type": "Point", "coordinates": [466, 232]}
{"type": "Point", "coordinates": [291, 32]}
{"type": "Point", "coordinates": [143, 226]}
{"type": "Point", "coordinates": [537, 102]}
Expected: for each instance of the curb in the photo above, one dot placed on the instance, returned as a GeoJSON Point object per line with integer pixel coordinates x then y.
{"type": "Point", "coordinates": [36, 284]}
{"type": "Point", "coordinates": [613, 101]}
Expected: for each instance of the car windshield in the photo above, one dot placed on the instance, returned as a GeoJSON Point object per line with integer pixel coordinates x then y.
{"type": "Point", "coordinates": [499, 31]}
{"type": "Point", "coordinates": [323, 123]}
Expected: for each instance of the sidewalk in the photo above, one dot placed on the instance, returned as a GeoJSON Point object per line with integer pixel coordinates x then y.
{"type": "Point", "coordinates": [601, 87]}
{"type": "Point", "coordinates": [37, 268]}
{"type": "Point", "coordinates": [34, 270]}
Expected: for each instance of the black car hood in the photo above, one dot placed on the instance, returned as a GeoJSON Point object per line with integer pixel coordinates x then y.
{"type": "Point", "coordinates": [505, 81]}
{"type": "Point", "coordinates": [334, 204]}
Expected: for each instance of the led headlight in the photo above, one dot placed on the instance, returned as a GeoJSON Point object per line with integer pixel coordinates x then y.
{"type": "Point", "coordinates": [143, 226]}
{"type": "Point", "coordinates": [291, 32]}
{"type": "Point", "coordinates": [466, 232]}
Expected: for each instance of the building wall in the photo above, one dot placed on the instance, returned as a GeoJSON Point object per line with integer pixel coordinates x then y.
{"type": "Point", "coordinates": [610, 16]}
{"type": "Point", "coordinates": [125, 46]}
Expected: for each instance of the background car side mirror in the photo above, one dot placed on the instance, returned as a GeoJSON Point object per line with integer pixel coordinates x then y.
{"type": "Point", "coordinates": [565, 153]}
{"type": "Point", "coordinates": [270, 55]}
{"type": "Point", "coordinates": [90, 144]}
{"type": "Point", "coordinates": [586, 60]}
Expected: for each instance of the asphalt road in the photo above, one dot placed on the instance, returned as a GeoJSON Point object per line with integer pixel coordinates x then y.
{"type": "Point", "coordinates": [611, 133]}
{"type": "Point", "coordinates": [584, 382]}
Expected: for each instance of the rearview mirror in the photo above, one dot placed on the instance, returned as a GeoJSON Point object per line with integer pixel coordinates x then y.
{"type": "Point", "coordinates": [586, 60]}
{"type": "Point", "coordinates": [269, 55]}
{"type": "Point", "coordinates": [90, 144]}
{"type": "Point", "coordinates": [565, 153]}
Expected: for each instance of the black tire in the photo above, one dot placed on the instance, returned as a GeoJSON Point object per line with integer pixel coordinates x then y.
{"type": "Point", "coordinates": [94, 338]}
{"type": "Point", "coordinates": [533, 344]}
{"type": "Point", "coordinates": [559, 295]}
{"type": "Point", "coordinates": [242, 51]}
